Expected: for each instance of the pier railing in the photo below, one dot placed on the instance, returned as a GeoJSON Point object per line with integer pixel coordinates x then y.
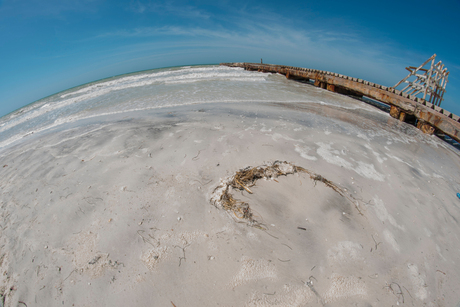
{"type": "Point", "coordinates": [429, 117]}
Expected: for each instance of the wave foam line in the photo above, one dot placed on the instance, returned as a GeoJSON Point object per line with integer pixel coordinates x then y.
{"type": "Point", "coordinates": [156, 75]}
{"type": "Point", "coordinates": [120, 84]}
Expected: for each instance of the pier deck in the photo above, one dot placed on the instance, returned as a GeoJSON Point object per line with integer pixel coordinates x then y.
{"type": "Point", "coordinates": [430, 118]}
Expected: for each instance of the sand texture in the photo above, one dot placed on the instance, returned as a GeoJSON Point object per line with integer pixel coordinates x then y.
{"type": "Point", "coordinates": [117, 211]}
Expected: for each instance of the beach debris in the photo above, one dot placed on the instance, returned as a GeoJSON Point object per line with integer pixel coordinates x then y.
{"type": "Point", "coordinates": [396, 291]}
{"type": "Point", "coordinates": [183, 251]}
{"type": "Point", "coordinates": [284, 260]}
{"type": "Point", "coordinates": [246, 178]}
{"type": "Point", "coordinates": [196, 157]}
{"type": "Point", "coordinates": [309, 283]}
{"type": "Point", "coordinates": [242, 180]}
{"type": "Point", "coordinates": [458, 195]}
{"type": "Point", "coordinates": [94, 260]}
{"type": "Point", "coordinates": [287, 246]}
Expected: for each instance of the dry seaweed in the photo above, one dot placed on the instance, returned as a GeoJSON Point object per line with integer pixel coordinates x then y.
{"type": "Point", "coordinates": [246, 178]}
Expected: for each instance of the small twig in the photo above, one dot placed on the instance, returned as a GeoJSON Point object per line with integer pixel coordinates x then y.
{"type": "Point", "coordinates": [376, 244]}
{"type": "Point", "coordinates": [441, 272]}
{"type": "Point", "coordinates": [95, 260]}
{"type": "Point", "coordinates": [408, 292]}
{"type": "Point", "coordinates": [301, 228]}
{"type": "Point", "coordinates": [313, 268]}
{"type": "Point", "coordinates": [68, 275]}
{"type": "Point", "coordinates": [287, 246]}
{"type": "Point", "coordinates": [21, 302]}
{"type": "Point", "coordinates": [173, 304]}
{"type": "Point", "coordinates": [268, 233]}
{"type": "Point", "coordinates": [196, 157]}
{"type": "Point", "coordinates": [309, 283]}
{"type": "Point", "coordinates": [144, 239]}
{"type": "Point", "coordinates": [284, 260]}
{"type": "Point", "coordinates": [270, 293]}
{"type": "Point", "coordinates": [183, 250]}
{"type": "Point", "coordinates": [390, 286]}
{"type": "Point", "coordinates": [243, 186]}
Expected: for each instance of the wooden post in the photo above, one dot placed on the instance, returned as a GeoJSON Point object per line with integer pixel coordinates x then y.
{"type": "Point", "coordinates": [331, 87]}
{"type": "Point", "coordinates": [402, 116]}
{"type": "Point", "coordinates": [317, 83]}
{"type": "Point", "coordinates": [323, 85]}
{"type": "Point", "coordinates": [287, 75]}
{"type": "Point", "coordinates": [394, 112]}
{"type": "Point", "coordinates": [426, 128]}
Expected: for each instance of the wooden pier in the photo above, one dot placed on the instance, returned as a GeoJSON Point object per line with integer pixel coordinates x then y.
{"type": "Point", "coordinates": [429, 118]}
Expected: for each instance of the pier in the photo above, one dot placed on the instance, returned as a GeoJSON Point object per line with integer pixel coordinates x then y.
{"type": "Point", "coordinates": [429, 118]}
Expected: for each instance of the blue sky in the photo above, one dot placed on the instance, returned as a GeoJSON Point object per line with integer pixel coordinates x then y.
{"type": "Point", "coordinates": [51, 45]}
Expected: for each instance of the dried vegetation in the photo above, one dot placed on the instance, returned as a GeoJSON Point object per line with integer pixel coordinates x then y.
{"type": "Point", "coordinates": [246, 178]}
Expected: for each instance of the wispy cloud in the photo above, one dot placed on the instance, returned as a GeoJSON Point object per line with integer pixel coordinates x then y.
{"type": "Point", "coordinates": [323, 49]}
{"type": "Point", "coordinates": [259, 28]}
{"type": "Point", "coordinates": [251, 33]}
{"type": "Point", "coordinates": [167, 8]}
{"type": "Point", "coordinates": [166, 31]}
{"type": "Point", "coordinates": [334, 36]}
{"type": "Point", "coordinates": [239, 24]}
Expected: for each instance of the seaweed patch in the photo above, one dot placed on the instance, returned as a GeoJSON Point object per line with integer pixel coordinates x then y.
{"type": "Point", "coordinates": [246, 178]}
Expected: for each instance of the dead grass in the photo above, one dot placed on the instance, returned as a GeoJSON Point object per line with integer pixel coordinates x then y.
{"type": "Point", "coordinates": [246, 178]}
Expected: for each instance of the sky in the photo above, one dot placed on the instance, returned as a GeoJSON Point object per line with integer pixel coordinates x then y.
{"type": "Point", "coordinates": [47, 46]}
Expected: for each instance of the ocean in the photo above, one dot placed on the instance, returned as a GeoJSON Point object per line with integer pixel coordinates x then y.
{"type": "Point", "coordinates": [159, 88]}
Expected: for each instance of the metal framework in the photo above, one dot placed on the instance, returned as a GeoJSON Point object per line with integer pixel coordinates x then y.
{"type": "Point", "coordinates": [432, 82]}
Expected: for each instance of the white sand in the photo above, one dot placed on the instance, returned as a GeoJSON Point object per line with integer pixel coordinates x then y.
{"type": "Point", "coordinates": [116, 211]}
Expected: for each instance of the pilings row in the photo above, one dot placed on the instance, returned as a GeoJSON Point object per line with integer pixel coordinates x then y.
{"type": "Point", "coordinates": [430, 118]}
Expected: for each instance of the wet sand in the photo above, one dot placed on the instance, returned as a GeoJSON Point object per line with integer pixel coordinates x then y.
{"type": "Point", "coordinates": [116, 211]}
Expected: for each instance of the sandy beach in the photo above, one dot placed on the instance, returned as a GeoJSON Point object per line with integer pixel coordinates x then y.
{"type": "Point", "coordinates": [116, 210]}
